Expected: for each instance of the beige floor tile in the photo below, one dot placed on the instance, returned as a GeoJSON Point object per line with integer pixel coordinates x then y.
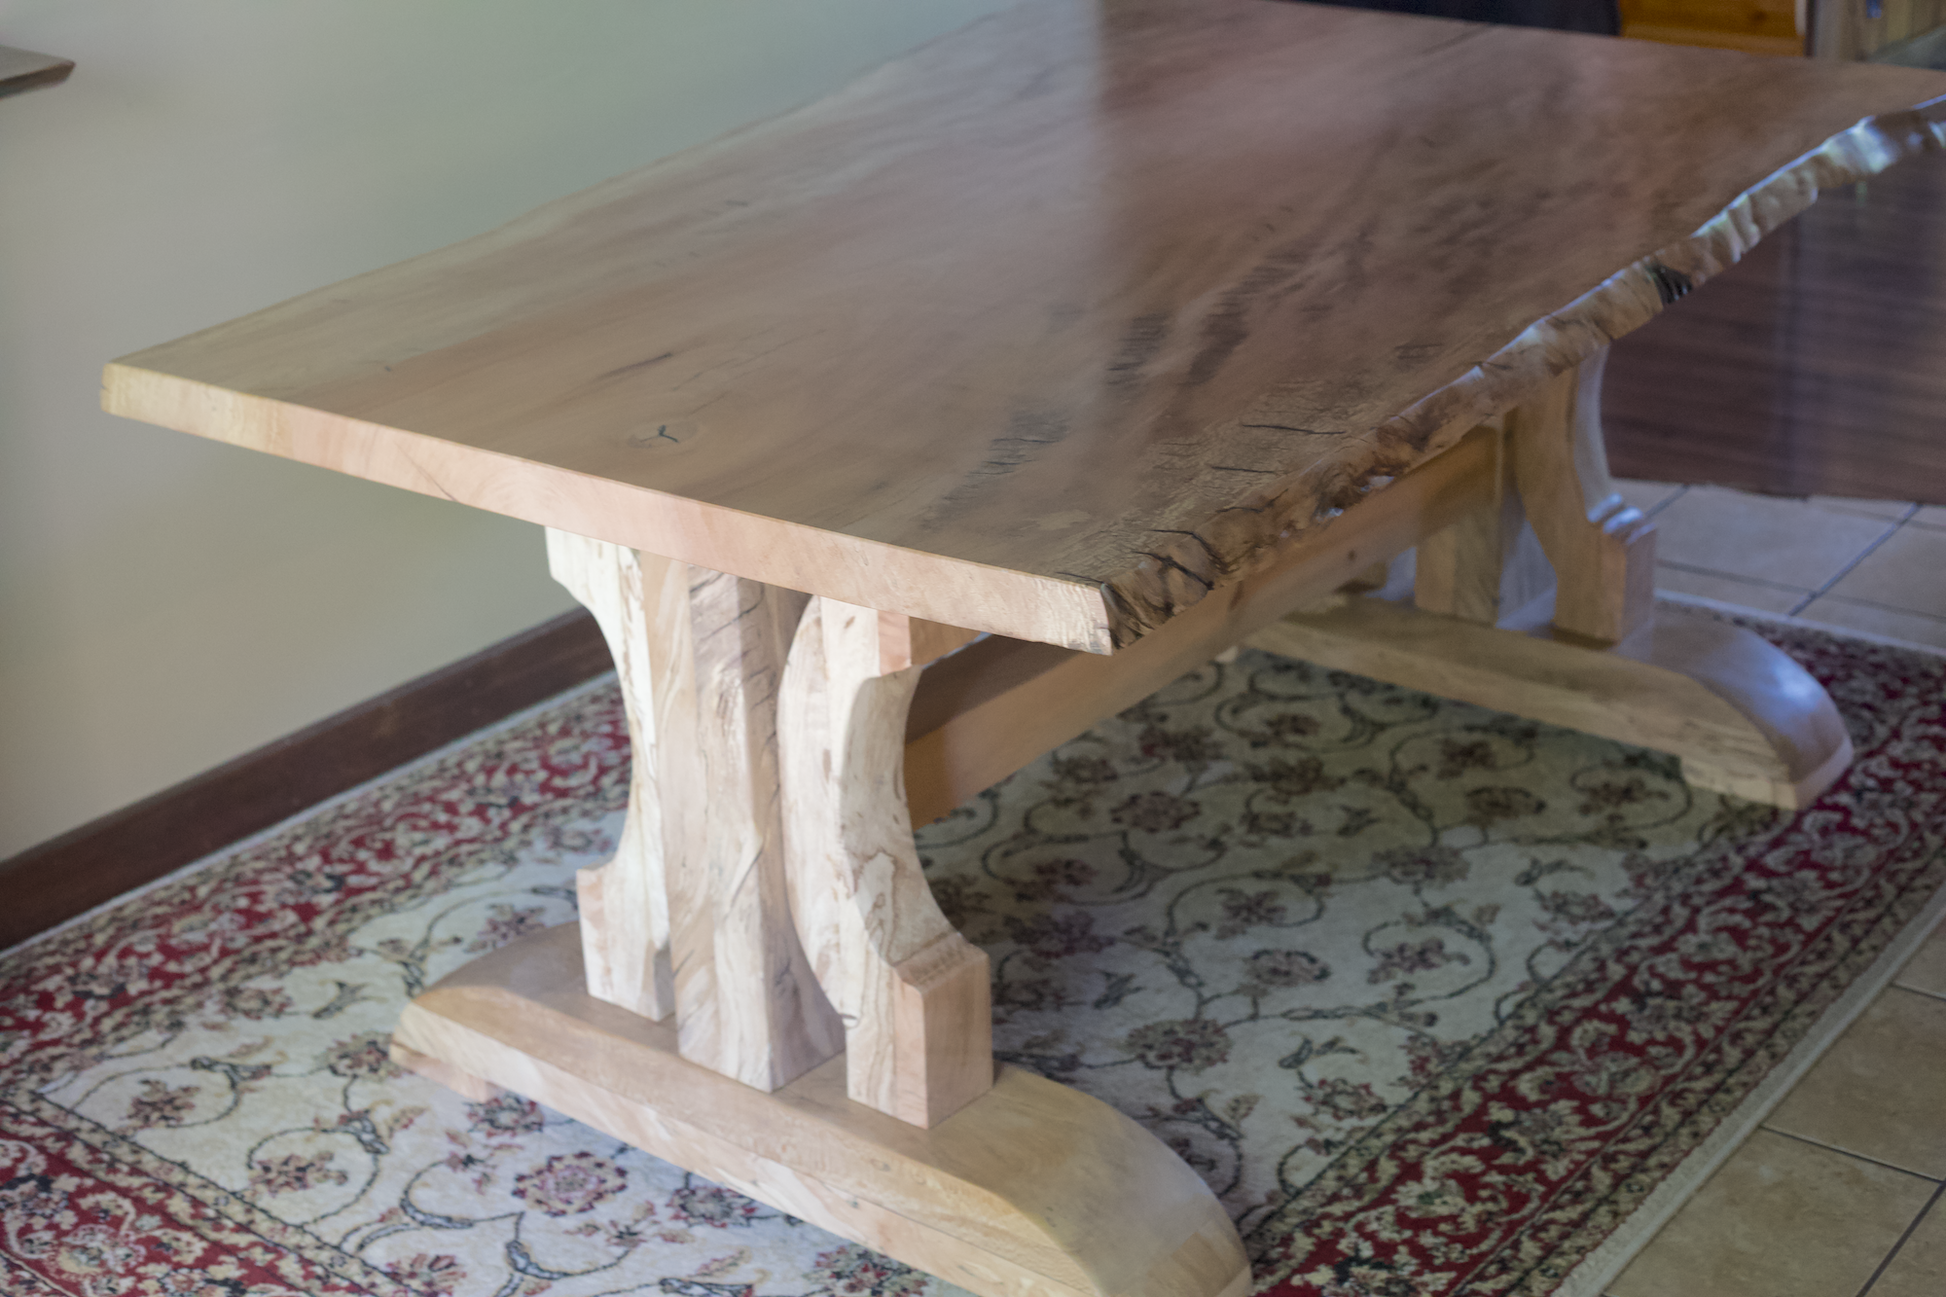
{"type": "Point", "coordinates": [1908, 572]}
{"type": "Point", "coordinates": [1729, 589]}
{"type": "Point", "coordinates": [1789, 542]}
{"type": "Point", "coordinates": [1645, 495]}
{"type": "Point", "coordinates": [1780, 1218]}
{"type": "Point", "coordinates": [1880, 1090]}
{"type": "Point", "coordinates": [1926, 970]}
{"type": "Point", "coordinates": [1874, 620]}
{"type": "Point", "coordinates": [1930, 515]}
{"type": "Point", "coordinates": [1919, 1270]}
{"type": "Point", "coordinates": [1892, 509]}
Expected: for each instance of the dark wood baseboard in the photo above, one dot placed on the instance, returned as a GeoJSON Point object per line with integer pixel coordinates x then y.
{"type": "Point", "coordinates": [99, 861]}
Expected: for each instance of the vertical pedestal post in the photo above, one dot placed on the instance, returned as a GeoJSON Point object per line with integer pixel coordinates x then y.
{"type": "Point", "coordinates": [692, 916]}
{"type": "Point", "coordinates": [1552, 519]}
{"type": "Point", "coordinates": [747, 1001]}
{"type": "Point", "coordinates": [766, 871]}
{"type": "Point", "coordinates": [1488, 564]}
{"type": "Point", "coordinates": [1602, 549]}
{"type": "Point", "coordinates": [914, 995]}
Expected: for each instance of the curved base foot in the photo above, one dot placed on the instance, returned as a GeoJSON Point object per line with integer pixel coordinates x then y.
{"type": "Point", "coordinates": [1745, 719]}
{"type": "Point", "coordinates": [1032, 1189]}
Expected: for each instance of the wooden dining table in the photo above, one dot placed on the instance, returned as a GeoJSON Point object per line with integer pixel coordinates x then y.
{"type": "Point", "coordinates": [899, 439]}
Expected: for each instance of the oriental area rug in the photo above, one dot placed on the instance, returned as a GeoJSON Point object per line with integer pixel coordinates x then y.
{"type": "Point", "coordinates": [1436, 1000]}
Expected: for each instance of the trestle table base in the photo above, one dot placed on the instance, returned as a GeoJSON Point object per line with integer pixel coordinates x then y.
{"type": "Point", "coordinates": [1031, 1190]}
{"type": "Point", "coordinates": [761, 988]}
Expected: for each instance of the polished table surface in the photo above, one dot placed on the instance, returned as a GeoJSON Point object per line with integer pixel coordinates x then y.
{"type": "Point", "coordinates": [1060, 322]}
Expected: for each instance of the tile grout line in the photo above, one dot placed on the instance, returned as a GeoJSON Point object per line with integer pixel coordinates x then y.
{"type": "Point", "coordinates": [1908, 513]}
{"type": "Point", "coordinates": [1910, 510]}
{"type": "Point", "coordinates": [1670, 499]}
{"type": "Point", "coordinates": [1869, 550]}
{"type": "Point", "coordinates": [1845, 1152]}
{"type": "Point", "coordinates": [1911, 1226]}
{"type": "Point", "coordinates": [1918, 990]}
{"type": "Point", "coordinates": [1694, 570]}
{"type": "Point", "coordinates": [1887, 607]}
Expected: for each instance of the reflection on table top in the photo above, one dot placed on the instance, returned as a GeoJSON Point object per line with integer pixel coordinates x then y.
{"type": "Point", "coordinates": [1053, 325]}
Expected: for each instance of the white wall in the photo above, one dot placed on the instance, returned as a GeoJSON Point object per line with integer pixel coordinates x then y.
{"type": "Point", "coordinates": [167, 603]}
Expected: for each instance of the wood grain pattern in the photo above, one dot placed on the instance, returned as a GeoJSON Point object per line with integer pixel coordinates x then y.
{"type": "Point", "coordinates": [22, 70]}
{"type": "Point", "coordinates": [1064, 321]}
{"type": "Point", "coordinates": [642, 606]}
{"type": "Point", "coordinates": [911, 641]}
{"type": "Point", "coordinates": [466, 1085]}
{"type": "Point", "coordinates": [766, 802]}
{"type": "Point", "coordinates": [1486, 564]}
{"type": "Point", "coordinates": [747, 999]}
{"type": "Point", "coordinates": [1032, 1190]}
{"type": "Point", "coordinates": [1602, 550]}
{"type": "Point", "coordinates": [1745, 719]}
{"type": "Point", "coordinates": [914, 995]}
{"type": "Point", "coordinates": [692, 914]}
{"type": "Point", "coordinates": [1677, 33]}
{"type": "Point", "coordinates": [990, 709]}
{"type": "Point", "coordinates": [1755, 26]}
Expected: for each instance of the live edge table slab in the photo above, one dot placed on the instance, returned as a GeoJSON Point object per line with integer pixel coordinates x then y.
{"type": "Point", "coordinates": [898, 439]}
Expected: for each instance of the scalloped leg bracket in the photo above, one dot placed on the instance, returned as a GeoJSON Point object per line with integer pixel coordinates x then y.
{"type": "Point", "coordinates": [915, 995]}
{"type": "Point", "coordinates": [1031, 1190]}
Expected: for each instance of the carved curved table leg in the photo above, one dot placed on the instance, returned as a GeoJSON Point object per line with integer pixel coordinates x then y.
{"type": "Point", "coordinates": [767, 800]}
{"type": "Point", "coordinates": [625, 902]}
{"type": "Point", "coordinates": [691, 915]}
{"type": "Point", "coordinates": [1489, 563]}
{"type": "Point", "coordinates": [1744, 718]}
{"type": "Point", "coordinates": [1602, 549]}
{"type": "Point", "coordinates": [915, 996]}
{"type": "Point", "coordinates": [747, 1000]}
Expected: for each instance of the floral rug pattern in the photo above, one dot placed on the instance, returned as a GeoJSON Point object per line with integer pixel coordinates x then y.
{"type": "Point", "coordinates": [1430, 996]}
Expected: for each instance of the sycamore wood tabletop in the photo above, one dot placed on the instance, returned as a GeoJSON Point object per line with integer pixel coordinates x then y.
{"type": "Point", "coordinates": [1059, 323]}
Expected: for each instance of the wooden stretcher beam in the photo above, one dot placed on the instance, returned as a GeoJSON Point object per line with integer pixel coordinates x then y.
{"type": "Point", "coordinates": [986, 711]}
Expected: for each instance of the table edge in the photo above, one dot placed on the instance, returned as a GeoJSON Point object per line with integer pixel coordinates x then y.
{"type": "Point", "coordinates": [1247, 535]}
{"type": "Point", "coordinates": [1073, 610]}
{"type": "Point", "coordinates": [959, 592]}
